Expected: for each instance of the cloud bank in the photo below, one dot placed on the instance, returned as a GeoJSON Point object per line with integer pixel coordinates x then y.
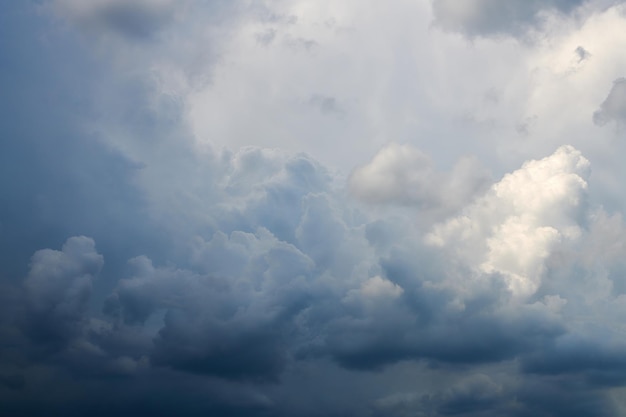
{"type": "Point", "coordinates": [207, 209]}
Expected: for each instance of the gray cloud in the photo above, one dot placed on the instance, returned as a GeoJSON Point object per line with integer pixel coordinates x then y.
{"type": "Point", "coordinates": [402, 174]}
{"type": "Point", "coordinates": [267, 37]}
{"type": "Point", "coordinates": [599, 364]}
{"type": "Point", "coordinates": [245, 282]}
{"type": "Point", "coordinates": [326, 104]}
{"type": "Point", "coordinates": [428, 328]}
{"type": "Point", "coordinates": [582, 53]}
{"type": "Point", "coordinates": [493, 17]}
{"type": "Point", "coordinates": [482, 395]}
{"type": "Point", "coordinates": [137, 20]}
{"type": "Point", "coordinates": [613, 108]}
{"type": "Point", "coordinates": [58, 287]}
{"type": "Point", "coordinates": [301, 44]}
{"type": "Point", "coordinates": [562, 398]}
{"type": "Point", "coordinates": [476, 395]}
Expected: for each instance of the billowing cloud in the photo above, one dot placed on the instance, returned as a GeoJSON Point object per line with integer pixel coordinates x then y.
{"type": "Point", "coordinates": [170, 245]}
{"type": "Point", "coordinates": [231, 320]}
{"type": "Point", "coordinates": [514, 228]}
{"type": "Point", "coordinates": [402, 174]}
{"type": "Point", "coordinates": [58, 287]}
{"type": "Point", "coordinates": [250, 308]}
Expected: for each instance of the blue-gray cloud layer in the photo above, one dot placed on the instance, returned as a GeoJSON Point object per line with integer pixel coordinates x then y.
{"type": "Point", "coordinates": [143, 274]}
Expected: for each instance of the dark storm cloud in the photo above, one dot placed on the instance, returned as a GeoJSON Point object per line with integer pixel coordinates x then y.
{"type": "Point", "coordinates": [494, 17]}
{"type": "Point", "coordinates": [373, 339]}
{"type": "Point", "coordinates": [561, 397]}
{"type": "Point", "coordinates": [160, 394]}
{"type": "Point", "coordinates": [248, 305]}
{"type": "Point", "coordinates": [230, 315]}
{"type": "Point", "coordinates": [219, 324]}
{"type": "Point", "coordinates": [598, 361]}
{"type": "Point", "coordinates": [613, 108]}
{"type": "Point", "coordinates": [227, 350]}
{"type": "Point", "coordinates": [379, 324]}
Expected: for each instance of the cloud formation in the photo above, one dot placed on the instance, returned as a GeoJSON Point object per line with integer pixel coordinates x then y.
{"type": "Point", "coordinates": [136, 20]}
{"type": "Point", "coordinates": [169, 248]}
{"type": "Point", "coordinates": [58, 287]}
{"type": "Point", "coordinates": [492, 17]}
{"type": "Point", "coordinates": [402, 174]}
{"type": "Point", "coordinates": [513, 229]}
{"type": "Point", "coordinates": [249, 307]}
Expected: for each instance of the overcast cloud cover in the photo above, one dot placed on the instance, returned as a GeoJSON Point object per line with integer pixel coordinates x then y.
{"type": "Point", "coordinates": [312, 208]}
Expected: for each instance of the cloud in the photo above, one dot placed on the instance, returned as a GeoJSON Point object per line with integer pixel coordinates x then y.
{"type": "Point", "coordinates": [228, 280]}
{"type": "Point", "coordinates": [136, 20]}
{"type": "Point", "coordinates": [582, 53]}
{"type": "Point", "coordinates": [481, 395]}
{"type": "Point", "coordinates": [229, 321]}
{"type": "Point", "coordinates": [476, 395]}
{"type": "Point", "coordinates": [325, 104]}
{"type": "Point", "coordinates": [512, 230]}
{"type": "Point", "coordinates": [492, 17]}
{"type": "Point", "coordinates": [613, 108]}
{"type": "Point", "coordinates": [58, 287]}
{"type": "Point", "coordinates": [222, 349]}
{"type": "Point", "coordinates": [600, 364]}
{"type": "Point", "coordinates": [249, 307]}
{"type": "Point", "coordinates": [426, 324]}
{"type": "Point", "coordinates": [402, 174]}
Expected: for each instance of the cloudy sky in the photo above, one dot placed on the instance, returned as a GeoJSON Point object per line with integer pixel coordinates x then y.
{"type": "Point", "coordinates": [313, 208]}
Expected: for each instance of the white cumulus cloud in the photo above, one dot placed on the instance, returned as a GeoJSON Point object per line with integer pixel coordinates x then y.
{"type": "Point", "coordinates": [513, 228]}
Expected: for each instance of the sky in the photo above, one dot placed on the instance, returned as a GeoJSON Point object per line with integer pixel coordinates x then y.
{"type": "Point", "coordinates": [308, 208]}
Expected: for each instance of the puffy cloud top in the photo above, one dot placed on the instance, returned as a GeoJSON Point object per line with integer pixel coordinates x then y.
{"type": "Point", "coordinates": [58, 287]}
{"type": "Point", "coordinates": [512, 229]}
